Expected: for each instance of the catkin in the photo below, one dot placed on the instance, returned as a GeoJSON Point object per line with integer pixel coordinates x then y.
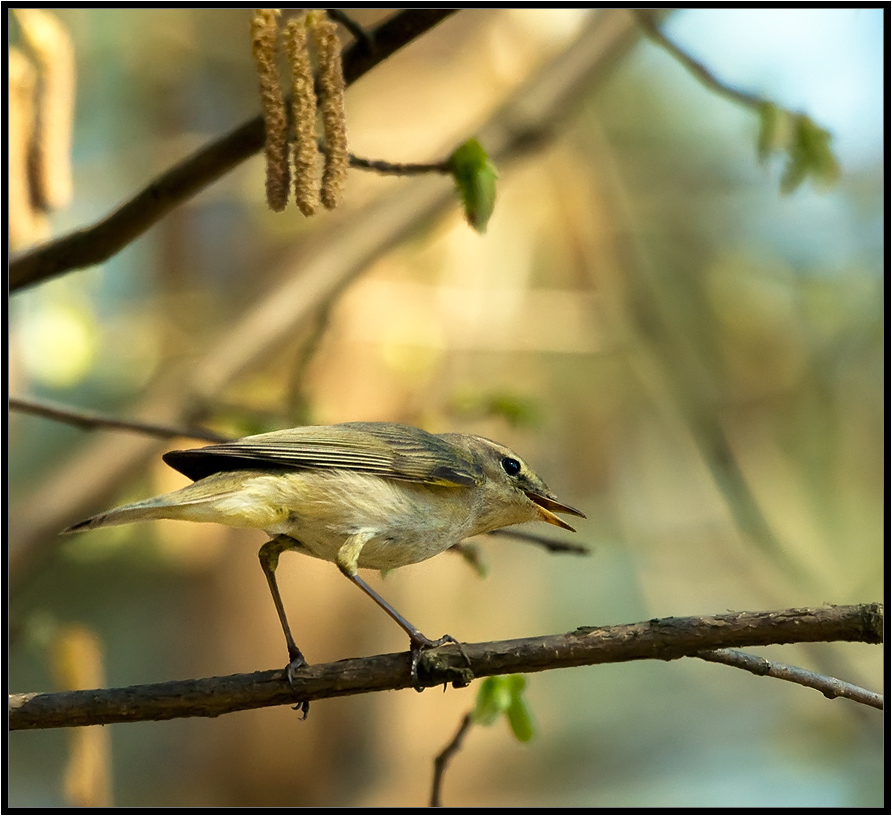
{"type": "Point", "coordinates": [25, 225]}
{"type": "Point", "coordinates": [53, 52]}
{"type": "Point", "coordinates": [264, 41]}
{"type": "Point", "coordinates": [306, 152]}
{"type": "Point", "coordinates": [77, 662]}
{"type": "Point", "coordinates": [331, 99]}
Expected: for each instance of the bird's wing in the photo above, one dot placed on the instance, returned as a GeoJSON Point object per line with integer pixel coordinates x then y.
{"type": "Point", "coordinates": [379, 448]}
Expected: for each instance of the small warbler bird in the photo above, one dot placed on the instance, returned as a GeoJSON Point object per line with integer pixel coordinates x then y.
{"type": "Point", "coordinates": [373, 495]}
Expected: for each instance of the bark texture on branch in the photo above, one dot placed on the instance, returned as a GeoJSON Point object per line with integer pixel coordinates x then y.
{"type": "Point", "coordinates": [662, 639]}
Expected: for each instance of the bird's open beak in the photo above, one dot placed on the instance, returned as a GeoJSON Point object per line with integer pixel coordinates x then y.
{"type": "Point", "coordinates": [548, 507]}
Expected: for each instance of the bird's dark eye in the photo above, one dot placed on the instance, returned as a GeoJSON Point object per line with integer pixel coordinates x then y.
{"type": "Point", "coordinates": [510, 466]}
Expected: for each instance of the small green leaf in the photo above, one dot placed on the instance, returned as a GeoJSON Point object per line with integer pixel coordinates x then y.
{"type": "Point", "coordinates": [516, 684]}
{"type": "Point", "coordinates": [519, 719]}
{"type": "Point", "coordinates": [504, 695]}
{"type": "Point", "coordinates": [809, 155]}
{"type": "Point", "coordinates": [775, 130]}
{"type": "Point", "coordinates": [816, 144]}
{"type": "Point", "coordinates": [493, 699]}
{"type": "Point", "coordinates": [518, 713]}
{"type": "Point", "coordinates": [475, 177]}
{"type": "Point", "coordinates": [794, 174]}
{"type": "Point", "coordinates": [807, 145]}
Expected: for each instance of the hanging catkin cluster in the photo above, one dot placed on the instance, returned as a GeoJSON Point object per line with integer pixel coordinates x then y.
{"type": "Point", "coordinates": [303, 107]}
{"type": "Point", "coordinates": [264, 44]}
{"type": "Point", "coordinates": [41, 80]}
{"type": "Point", "coordinates": [334, 123]}
{"type": "Point", "coordinates": [299, 34]}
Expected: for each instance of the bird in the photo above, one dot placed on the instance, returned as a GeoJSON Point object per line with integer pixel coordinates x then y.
{"type": "Point", "coordinates": [362, 495]}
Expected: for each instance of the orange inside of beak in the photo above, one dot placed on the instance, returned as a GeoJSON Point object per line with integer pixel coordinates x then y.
{"type": "Point", "coordinates": [548, 507]}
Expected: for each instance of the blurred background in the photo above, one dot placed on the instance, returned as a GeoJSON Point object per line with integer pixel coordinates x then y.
{"type": "Point", "coordinates": [686, 354]}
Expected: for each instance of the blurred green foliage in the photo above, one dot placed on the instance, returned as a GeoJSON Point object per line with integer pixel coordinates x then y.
{"type": "Point", "coordinates": [518, 410]}
{"type": "Point", "coordinates": [806, 144]}
{"type": "Point", "coordinates": [504, 695]}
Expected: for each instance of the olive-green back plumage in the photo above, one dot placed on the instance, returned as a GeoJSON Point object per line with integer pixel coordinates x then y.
{"type": "Point", "coordinates": [378, 448]}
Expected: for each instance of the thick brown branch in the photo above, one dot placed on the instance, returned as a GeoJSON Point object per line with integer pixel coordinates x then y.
{"type": "Point", "coordinates": [93, 245]}
{"type": "Point", "coordinates": [664, 639]}
{"type": "Point", "coordinates": [358, 32]}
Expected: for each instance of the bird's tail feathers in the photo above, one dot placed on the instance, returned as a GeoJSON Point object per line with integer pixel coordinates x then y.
{"type": "Point", "coordinates": [141, 511]}
{"type": "Point", "coordinates": [194, 503]}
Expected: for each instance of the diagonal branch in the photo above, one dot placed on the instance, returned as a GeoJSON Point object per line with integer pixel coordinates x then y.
{"type": "Point", "coordinates": [648, 23]}
{"type": "Point", "coordinates": [663, 639]}
{"type": "Point", "coordinates": [98, 243]}
{"type": "Point", "coordinates": [92, 420]}
{"type": "Point", "coordinates": [830, 687]}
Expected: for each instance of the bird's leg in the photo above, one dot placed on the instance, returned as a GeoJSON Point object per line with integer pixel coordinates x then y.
{"type": "Point", "coordinates": [348, 556]}
{"type": "Point", "coordinates": [418, 642]}
{"type": "Point", "coordinates": [269, 560]}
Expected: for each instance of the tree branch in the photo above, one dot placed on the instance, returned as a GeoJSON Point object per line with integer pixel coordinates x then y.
{"type": "Point", "coordinates": [830, 687]}
{"type": "Point", "coordinates": [356, 30]}
{"type": "Point", "coordinates": [546, 542]}
{"type": "Point", "coordinates": [399, 169]}
{"type": "Point", "coordinates": [649, 25]}
{"type": "Point", "coordinates": [664, 639]}
{"type": "Point", "coordinates": [445, 756]}
{"type": "Point", "coordinates": [91, 420]}
{"type": "Point", "coordinates": [93, 245]}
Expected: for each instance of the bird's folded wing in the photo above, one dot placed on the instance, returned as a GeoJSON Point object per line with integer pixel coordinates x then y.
{"type": "Point", "coordinates": [383, 449]}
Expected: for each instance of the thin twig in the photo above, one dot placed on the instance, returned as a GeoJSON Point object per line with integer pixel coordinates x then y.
{"type": "Point", "coordinates": [698, 69]}
{"type": "Point", "coordinates": [445, 756]}
{"type": "Point", "coordinates": [99, 242]}
{"type": "Point", "coordinates": [549, 544]}
{"type": "Point", "coordinates": [665, 639]}
{"type": "Point", "coordinates": [395, 169]}
{"type": "Point", "coordinates": [830, 687]}
{"type": "Point", "coordinates": [92, 420]}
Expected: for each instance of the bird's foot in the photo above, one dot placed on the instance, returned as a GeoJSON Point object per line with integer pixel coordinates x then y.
{"type": "Point", "coordinates": [420, 643]}
{"type": "Point", "coordinates": [297, 662]}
